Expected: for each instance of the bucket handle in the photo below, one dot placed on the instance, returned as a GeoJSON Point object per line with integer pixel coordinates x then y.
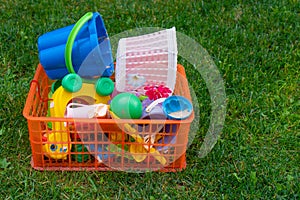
{"type": "Point", "coordinates": [69, 46]}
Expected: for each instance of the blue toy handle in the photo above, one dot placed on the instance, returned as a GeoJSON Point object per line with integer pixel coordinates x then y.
{"type": "Point", "coordinates": [72, 36]}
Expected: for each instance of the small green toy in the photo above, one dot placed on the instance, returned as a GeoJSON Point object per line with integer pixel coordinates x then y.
{"type": "Point", "coordinates": [80, 157]}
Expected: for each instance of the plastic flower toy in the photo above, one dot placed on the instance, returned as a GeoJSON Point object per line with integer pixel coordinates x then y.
{"type": "Point", "coordinates": [136, 80]}
{"type": "Point", "coordinates": [155, 92]}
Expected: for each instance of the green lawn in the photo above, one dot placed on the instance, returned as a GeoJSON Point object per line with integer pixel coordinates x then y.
{"type": "Point", "coordinates": [254, 44]}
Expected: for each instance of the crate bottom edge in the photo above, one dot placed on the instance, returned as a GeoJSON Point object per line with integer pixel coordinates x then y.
{"type": "Point", "coordinates": [108, 169]}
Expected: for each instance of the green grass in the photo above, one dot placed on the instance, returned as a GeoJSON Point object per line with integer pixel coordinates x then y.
{"type": "Point", "coordinates": [255, 45]}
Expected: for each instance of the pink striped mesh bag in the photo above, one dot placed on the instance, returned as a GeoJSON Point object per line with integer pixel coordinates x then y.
{"type": "Point", "coordinates": [147, 60]}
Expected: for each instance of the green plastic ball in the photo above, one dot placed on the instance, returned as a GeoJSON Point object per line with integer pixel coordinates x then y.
{"type": "Point", "coordinates": [126, 106]}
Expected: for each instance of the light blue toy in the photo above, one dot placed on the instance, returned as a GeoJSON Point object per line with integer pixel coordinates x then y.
{"type": "Point", "coordinates": [177, 107]}
{"type": "Point", "coordinates": [101, 153]}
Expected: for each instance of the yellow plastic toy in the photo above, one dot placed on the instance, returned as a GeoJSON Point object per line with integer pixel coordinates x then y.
{"type": "Point", "coordinates": [139, 151]}
{"type": "Point", "coordinates": [61, 98]}
{"type": "Point", "coordinates": [58, 145]}
{"type": "Point", "coordinates": [54, 148]}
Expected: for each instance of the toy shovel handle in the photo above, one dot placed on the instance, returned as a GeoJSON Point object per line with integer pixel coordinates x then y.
{"type": "Point", "coordinates": [72, 36]}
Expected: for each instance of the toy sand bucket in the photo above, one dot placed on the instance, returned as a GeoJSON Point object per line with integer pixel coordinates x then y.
{"type": "Point", "coordinates": [86, 45]}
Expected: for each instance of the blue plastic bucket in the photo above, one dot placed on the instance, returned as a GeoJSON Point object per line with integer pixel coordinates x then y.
{"type": "Point", "coordinates": [91, 51]}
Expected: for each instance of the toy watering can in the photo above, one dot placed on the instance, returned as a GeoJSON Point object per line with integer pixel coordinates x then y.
{"type": "Point", "coordinates": [84, 45]}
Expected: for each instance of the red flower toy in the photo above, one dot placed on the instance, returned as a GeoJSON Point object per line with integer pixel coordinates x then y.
{"type": "Point", "coordinates": [155, 92]}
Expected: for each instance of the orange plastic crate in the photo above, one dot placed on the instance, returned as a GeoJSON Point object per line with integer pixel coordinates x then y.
{"type": "Point", "coordinates": [109, 135]}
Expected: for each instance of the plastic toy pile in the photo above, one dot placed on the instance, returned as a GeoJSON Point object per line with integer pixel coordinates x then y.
{"type": "Point", "coordinates": [88, 83]}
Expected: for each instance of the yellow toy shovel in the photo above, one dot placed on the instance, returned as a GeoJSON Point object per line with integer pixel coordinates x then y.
{"type": "Point", "coordinates": [139, 151]}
